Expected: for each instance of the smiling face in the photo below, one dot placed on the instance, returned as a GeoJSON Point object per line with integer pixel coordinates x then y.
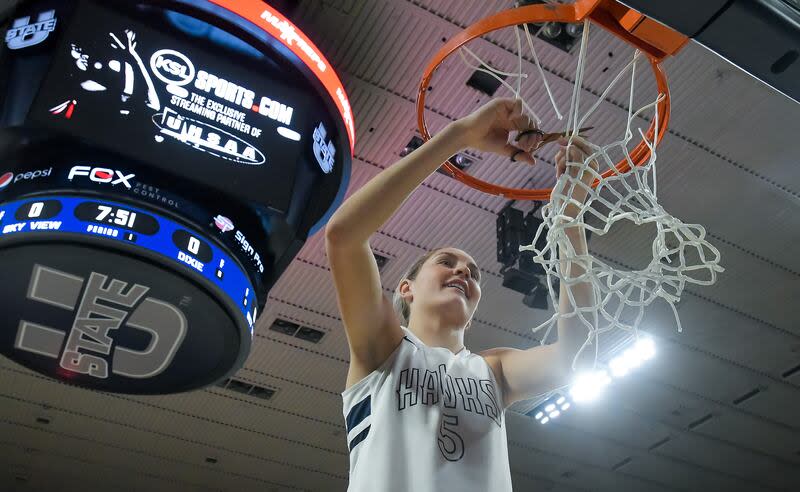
{"type": "Point", "coordinates": [447, 285]}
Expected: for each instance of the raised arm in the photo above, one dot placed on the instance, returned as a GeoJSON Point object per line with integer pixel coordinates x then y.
{"type": "Point", "coordinates": [528, 373]}
{"type": "Point", "coordinates": [373, 329]}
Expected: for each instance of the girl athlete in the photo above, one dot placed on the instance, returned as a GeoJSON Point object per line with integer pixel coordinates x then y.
{"type": "Point", "coordinates": [422, 412]}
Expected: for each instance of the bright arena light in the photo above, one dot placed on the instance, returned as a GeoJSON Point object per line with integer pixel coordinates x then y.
{"type": "Point", "coordinates": [589, 385]}
{"type": "Point", "coordinates": [552, 407]}
{"type": "Point", "coordinates": [633, 357]}
{"type": "Point", "coordinates": [644, 349]}
{"type": "Point", "coordinates": [619, 367]}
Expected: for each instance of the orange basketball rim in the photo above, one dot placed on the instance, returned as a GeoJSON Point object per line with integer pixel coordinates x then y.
{"type": "Point", "coordinates": [654, 40]}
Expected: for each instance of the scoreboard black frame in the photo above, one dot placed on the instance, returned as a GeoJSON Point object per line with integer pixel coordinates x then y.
{"type": "Point", "coordinates": [200, 141]}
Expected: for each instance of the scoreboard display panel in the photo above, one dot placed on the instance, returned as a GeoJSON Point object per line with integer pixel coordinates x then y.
{"type": "Point", "coordinates": [161, 164]}
{"type": "Point", "coordinates": [120, 341]}
{"type": "Point", "coordinates": [164, 101]}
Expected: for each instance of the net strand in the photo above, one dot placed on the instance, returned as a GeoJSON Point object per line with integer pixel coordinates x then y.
{"type": "Point", "coordinates": [539, 67]}
{"type": "Point", "coordinates": [497, 75]}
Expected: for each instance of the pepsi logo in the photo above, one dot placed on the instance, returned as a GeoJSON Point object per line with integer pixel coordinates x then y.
{"type": "Point", "coordinates": [223, 223]}
{"type": "Point", "coordinates": [6, 179]}
{"type": "Point", "coordinates": [9, 177]}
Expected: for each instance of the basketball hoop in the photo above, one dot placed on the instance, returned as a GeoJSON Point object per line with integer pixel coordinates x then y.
{"type": "Point", "coordinates": [651, 38]}
{"type": "Point", "coordinates": [619, 191]}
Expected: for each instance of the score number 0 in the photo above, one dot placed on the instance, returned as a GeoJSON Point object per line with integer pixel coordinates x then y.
{"type": "Point", "coordinates": [36, 210]}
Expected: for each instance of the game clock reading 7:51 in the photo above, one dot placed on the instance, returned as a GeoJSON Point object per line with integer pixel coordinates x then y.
{"type": "Point", "coordinates": [113, 215]}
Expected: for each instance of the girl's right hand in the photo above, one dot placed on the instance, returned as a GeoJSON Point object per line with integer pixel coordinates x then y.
{"type": "Point", "coordinates": [489, 129]}
{"type": "Point", "coordinates": [579, 150]}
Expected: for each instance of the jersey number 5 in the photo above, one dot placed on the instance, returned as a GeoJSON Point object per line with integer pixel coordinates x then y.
{"type": "Point", "coordinates": [450, 443]}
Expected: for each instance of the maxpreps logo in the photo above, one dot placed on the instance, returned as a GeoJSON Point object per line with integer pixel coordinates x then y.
{"type": "Point", "coordinates": [172, 67]}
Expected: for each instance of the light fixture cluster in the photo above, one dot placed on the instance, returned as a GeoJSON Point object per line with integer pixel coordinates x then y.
{"type": "Point", "coordinates": [643, 350]}
{"type": "Point", "coordinates": [551, 408]}
{"type": "Point", "coordinates": [590, 384]}
{"type": "Point", "coordinates": [561, 35]}
{"type": "Point", "coordinates": [520, 272]}
{"type": "Point", "coordinates": [461, 161]}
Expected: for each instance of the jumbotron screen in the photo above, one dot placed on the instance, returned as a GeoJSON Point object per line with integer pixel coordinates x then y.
{"type": "Point", "coordinates": [162, 100]}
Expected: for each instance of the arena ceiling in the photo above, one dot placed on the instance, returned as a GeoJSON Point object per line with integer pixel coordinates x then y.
{"type": "Point", "coordinates": [717, 409]}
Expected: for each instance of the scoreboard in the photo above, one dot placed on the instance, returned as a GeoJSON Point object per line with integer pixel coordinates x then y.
{"type": "Point", "coordinates": [170, 103]}
{"type": "Point", "coordinates": [161, 163]}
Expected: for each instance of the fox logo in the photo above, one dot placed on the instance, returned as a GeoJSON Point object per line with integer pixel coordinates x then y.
{"type": "Point", "coordinates": [102, 175]}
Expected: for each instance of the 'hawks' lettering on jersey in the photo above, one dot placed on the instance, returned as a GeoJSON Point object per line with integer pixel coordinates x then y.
{"type": "Point", "coordinates": [427, 420]}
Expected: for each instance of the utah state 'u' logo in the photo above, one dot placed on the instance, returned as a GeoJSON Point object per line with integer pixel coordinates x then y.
{"type": "Point", "coordinates": [23, 34]}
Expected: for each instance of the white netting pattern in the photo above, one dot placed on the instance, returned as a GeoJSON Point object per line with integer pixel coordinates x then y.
{"type": "Point", "coordinates": [680, 253]}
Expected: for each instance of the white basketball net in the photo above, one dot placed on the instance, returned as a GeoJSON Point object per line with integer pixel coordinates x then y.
{"type": "Point", "coordinates": [680, 252]}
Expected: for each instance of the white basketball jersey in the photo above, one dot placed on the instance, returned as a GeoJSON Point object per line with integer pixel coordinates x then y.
{"type": "Point", "coordinates": [427, 420]}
